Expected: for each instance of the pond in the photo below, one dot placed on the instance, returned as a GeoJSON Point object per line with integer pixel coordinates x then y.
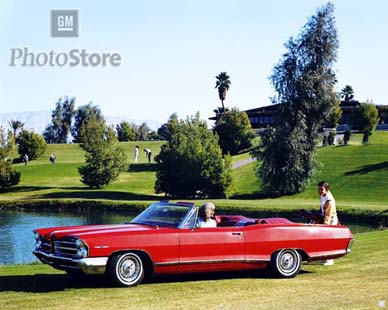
{"type": "Point", "coordinates": [17, 241]}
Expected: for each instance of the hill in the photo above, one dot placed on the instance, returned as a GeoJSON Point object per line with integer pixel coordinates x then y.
{"type": "Point", "coordinates": [358, 176]}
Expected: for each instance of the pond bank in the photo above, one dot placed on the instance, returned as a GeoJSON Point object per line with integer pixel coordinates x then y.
{"type": "Point", "coordinates": [376, 218]}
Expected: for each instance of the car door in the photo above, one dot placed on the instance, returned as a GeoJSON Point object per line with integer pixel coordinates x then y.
{"type": "Point", "coordinates": [219, 248]}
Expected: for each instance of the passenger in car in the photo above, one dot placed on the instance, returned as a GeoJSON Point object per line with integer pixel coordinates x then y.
{"type": "Point", "coordinates": [206, 215]}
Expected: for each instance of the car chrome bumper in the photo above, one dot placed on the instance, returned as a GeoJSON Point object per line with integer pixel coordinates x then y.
{"type": "Point", "coordinates": [90, 265]}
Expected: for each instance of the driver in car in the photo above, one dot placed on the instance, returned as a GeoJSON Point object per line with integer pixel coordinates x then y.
{"type": "Point", "coordinates": [206, 215]}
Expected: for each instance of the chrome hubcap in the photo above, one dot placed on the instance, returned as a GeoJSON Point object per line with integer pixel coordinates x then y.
{"type": "Point", "coordinates": [129, 269]}
{"type": "Point", "coordinates": [287, 262]}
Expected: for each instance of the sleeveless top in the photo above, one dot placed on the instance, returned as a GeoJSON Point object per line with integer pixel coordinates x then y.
{"type": "Point", "coordinates": [330, 214]}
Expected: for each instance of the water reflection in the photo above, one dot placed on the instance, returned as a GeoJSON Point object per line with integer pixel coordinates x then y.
{"type": "Point", "coordinates": [17, 241]}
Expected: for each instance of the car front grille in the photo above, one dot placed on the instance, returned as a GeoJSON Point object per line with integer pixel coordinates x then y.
{"type": "Point", "coordinates": [65, 248]}
{"type": "Point", "coordinates": [45, 246]}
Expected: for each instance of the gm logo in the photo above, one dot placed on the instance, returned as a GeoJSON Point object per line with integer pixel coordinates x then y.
{"type": "Point", "coordinates": [64, 23]}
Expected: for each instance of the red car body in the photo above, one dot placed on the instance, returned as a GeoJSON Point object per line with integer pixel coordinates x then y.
{"type": "Point", "coordinates": [165, 239]}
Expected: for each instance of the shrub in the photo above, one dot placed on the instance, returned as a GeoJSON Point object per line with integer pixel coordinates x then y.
{"type": "Point", "coordinates": [31, 144]}
{"type": "Point", "coordinates": [8, 175]}
{"type": "Point", "coordinates": [347, 136]}
{"type": "Point", "coordinates": [365, 137]}
{"type": "Point", "coordinates": [331, 138]}
{"type": "Point", "coordinates": [191, 165]}
{"type": "Point", "coordinates": [365, 117]}
{"type": "Point", "coordinates": [104, 158]}
{"type": "Point", "coordinates": [324, 141]}
{"type": "Point", "coordinates": [234, 131]}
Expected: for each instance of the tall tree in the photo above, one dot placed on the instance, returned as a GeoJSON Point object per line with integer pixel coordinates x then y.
{"type": "Point", "coordinates": [142, 132]}
{"type": "Point", "coordinates": [59, 129]}
{"type": "Point", "coordinates": [104, 157]}
{"type": "Point", "coordinates": [8, 175]}
{"type": "Point", "coordinates": [15, 126]}
{"type": "Point", "coordinates": [304, 81]}
{"type": "Point", "coordinates": [219, 111]}
{"type": "Point", "coordinates": [347, 93]}
{"type": "Point", "coordinates": [168, 129]}
{"type": "Point", "coordinates": [222, 84]}
{"type": "Point", "coordinates": [82, 115]}
{"type": "Point", "coordinates": [125, 132]}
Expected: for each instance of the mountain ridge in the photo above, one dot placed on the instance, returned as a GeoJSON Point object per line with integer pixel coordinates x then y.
{"type": "Point", "coordinates": [38, 120]}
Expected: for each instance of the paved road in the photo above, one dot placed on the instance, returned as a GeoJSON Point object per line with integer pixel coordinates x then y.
{"type": "Point", "coordinates": [244, 162]}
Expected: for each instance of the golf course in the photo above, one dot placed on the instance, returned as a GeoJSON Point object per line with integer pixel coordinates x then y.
{"type": "Point", "coordinates": [358, 175]}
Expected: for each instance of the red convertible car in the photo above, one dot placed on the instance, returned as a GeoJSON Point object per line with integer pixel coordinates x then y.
{"type": "Point", "coordinates": [165, 239]}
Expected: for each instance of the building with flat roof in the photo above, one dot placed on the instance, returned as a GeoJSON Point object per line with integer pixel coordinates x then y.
{"type": "Point", "coordinates": [266, 116]}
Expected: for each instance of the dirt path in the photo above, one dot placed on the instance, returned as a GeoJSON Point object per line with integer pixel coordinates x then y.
{"type": "Point", "coordinates": [244, 162]}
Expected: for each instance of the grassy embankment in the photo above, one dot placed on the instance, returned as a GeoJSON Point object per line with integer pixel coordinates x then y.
{"type": "Point", "coordinates": [42, 180]}
{"type": "Point", "coordinates": [357, 281]}
{"type": "Point", "coordinates": [358, 175]}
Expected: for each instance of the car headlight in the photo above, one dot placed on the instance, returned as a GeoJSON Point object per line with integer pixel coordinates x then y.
{"type": "Point", "coordinates": [82, 249]}
{"type": "Point", "coordinates": [38, 240]}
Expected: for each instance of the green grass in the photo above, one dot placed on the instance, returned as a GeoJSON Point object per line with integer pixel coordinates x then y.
{"type": "Point", "coordinates": [246, 182]}
{"type": "Point", "coordinates": [42, 180]}
{"type": "Point", "coordinates": [358, 176]}
{"type": "Point", "coordinates": [357, 281]}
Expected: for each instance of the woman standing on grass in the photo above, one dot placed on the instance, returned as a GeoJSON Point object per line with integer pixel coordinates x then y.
{"type": "Point", "coordinates": [328, 209]}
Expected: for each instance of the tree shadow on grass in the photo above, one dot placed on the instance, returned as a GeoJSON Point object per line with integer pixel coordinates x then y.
{"type": "Point", "coordinates": [25, 189]}
{"type": "Point", "coordinates": [253, 196]}
{"type": "Point", "coordinates": [150, 167]}
{"type": "Point", "coordinates": [86, 194]}
{"type": "Point", "coordinates": [369, 168]}
{"type": "Point", "coordinates": [45, 283]}
{"type": "Point", "coordinates": [249, 196]}
{"type": "Point", "coordinates": [213, 276]}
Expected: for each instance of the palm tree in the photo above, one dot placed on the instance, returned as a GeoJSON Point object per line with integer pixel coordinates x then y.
{"type": "Point", "coordinates": [347, 93]}
{"type": "Point", "coordinates": [15, 125]}
{"type": "Point", "coordinates": [223, 84]}
{"type": "Point", "coordinates": [220, 111]}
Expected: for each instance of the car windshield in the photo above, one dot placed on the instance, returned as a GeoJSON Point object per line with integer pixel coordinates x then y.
{"type": "Point", "coordinates": [162, 214]}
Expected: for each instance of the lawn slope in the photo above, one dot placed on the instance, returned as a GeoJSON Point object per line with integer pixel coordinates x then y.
{"type": "Point", "coordinates": [358, 176]}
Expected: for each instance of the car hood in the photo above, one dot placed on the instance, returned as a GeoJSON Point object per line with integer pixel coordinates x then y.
{"type": "Point", "coordinates": [90, 230]}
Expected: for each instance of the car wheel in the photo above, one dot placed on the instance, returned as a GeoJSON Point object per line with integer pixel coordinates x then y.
{"type": "Point", "coordinates": [286, 263]}
{"type": "Point", "coordinates": [126, 269]}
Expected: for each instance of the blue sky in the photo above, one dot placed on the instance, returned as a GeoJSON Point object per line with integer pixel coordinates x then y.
{"type": "Point", "coordinates": [172, 50]}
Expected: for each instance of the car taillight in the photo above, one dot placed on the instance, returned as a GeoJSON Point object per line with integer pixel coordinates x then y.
{"type": "Point", "coordinates": [350, 244]}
